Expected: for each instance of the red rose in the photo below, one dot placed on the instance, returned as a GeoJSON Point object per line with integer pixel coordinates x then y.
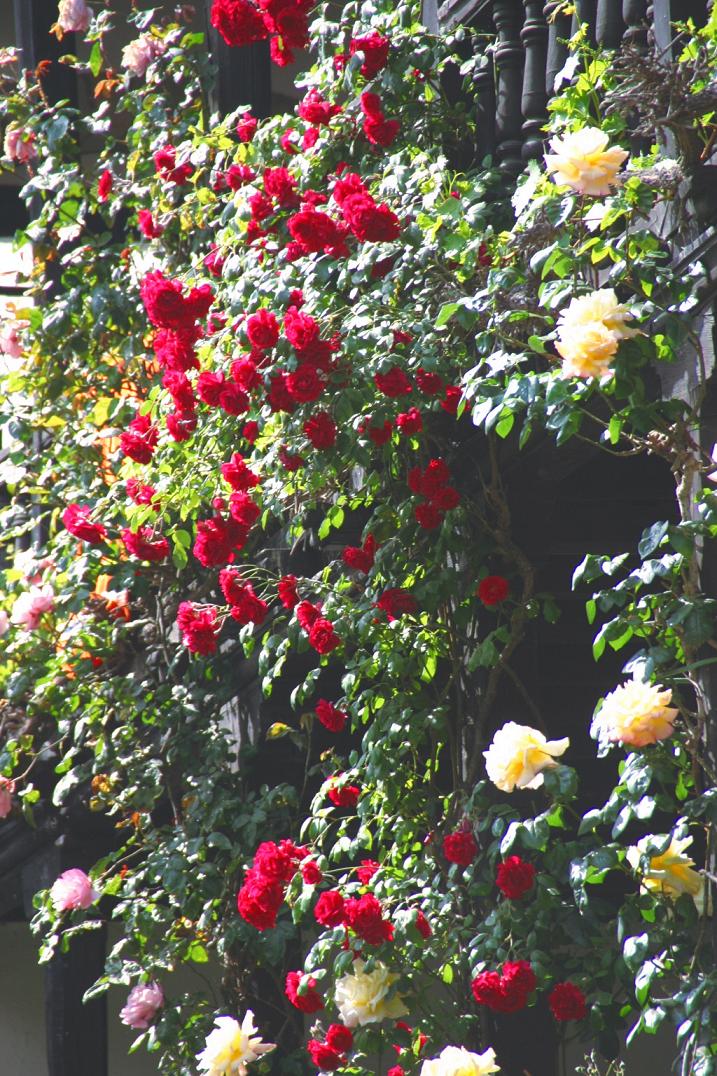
{"type": "Point", "coordinates": [410, 421]}
{"type": "Point", "coordinates": [238, 22]}
{"type": "Point", "coordinates": [278, 396]}
{"type": "Point", "coordinates": [396, 1070]}
{"type": "Point", "coordinates": [309, 1001]}
{"type": "Point", "coordinates": [246, 374]}
{"type": "Point", "coordinates": [394, 383]}
{"type": "Point", "coordinates": [147, 225]}
{"type": "Point", "coordinates": [262, 329]}
{"type": "Point", "coordinates": [165, 162]}
{"type": "Point", "coordinates": [243, 509]}
{"type": "Point", "coordinates": [365, 917]}
{"type": "Point", "coordinates": [301, 330]}
{"type": "Point", "coordinates": [567, 1002]}
{"type": "Point", "coordinates": [259, 900]}
{"type": "Point", "coordinates": [280, 185]}
{"type": "Point", "coordinates": [237, 474]}
{"type": "Point", "coordinates": [369, 222]}
{"type": "Point", "coordinates": [286, 588]}
{"type": "Point", "coordinates": [329, 910]}
{"type": "Point", "coordinates": [180, 389]}
{"type": "Point", "coordinates": [250, 431]}
{"type": "Point", "coordinates": [515, 877]}
{"type": "Point", "coordinates": [330, 717]}
{"type": "Point", "coordinates": [381, 132]}
{"type": "Point", "coordinates": [209, 387]}
{"type": "Point", "coordinates": [247, 608]}
{"type": "Point", "coordinates": [446, 498]}
{"type": "Point", "coordinates": [507, 992]}
{"type": "Point", "coordinates": [314, 231]}
{"type": "Point", "coordinates": [428, 516]}
{"type": "Point", "coordinates": [429, 382]}
{"type": "Point", "coordinates": [322, 636]}
{"type": "Point", "coordinates": [429, 482]}
{"type": "Point", "coordinates": [311, 872]}
{"type": "Point", "coordinates": [246, 127]}
{"type": "Point", "coordinates": [361, 559]}
{"type": "Point", "coordinates": [181, 424]}
{"type": "Point", "coordinates": [395, 602]}
{"type": "Point", "coordinates": [367, 870]}
{"type": "Point", "coordinates": [343, 795]}
{"type": "Point", "coordinates": [371, 106]}
{"type": "Point", "coordinates": [460, 847]}
{"type": "Point", "coordinates": [217, 538]}
{"type": "Point", "coordinates": [166, 304]}
{"type": "Point", "coordinates": [199, 628]}
{"type": "Point", "coordinates": [143, 544]}
{"type": "Point", "coordinates": [380, 435]}
{"type": "Point", "coordinates": [277, 862]}
{"type": "Point", "coordinates": [339, 1037]}
{"type": "Point", "coordinates": [140, 439]}
{"type": "Point", "coordinates": [139, 492]}
{"type": "Point", "coordinates": [375, 52]}
{"type": "Point", "coordinates": [324, 1056]}
{"type": "Point", "coordinates": [493, 589]}
{"type": "Point", "coordinates": [104, 186]}
{"type": "Point", "coordinates": [304, 384]}
{"type": "Point", "coordinates": [321, 430]}
{"type": "Point", "coordinates": [238, 175]}
{"type": "Point", "coordinates": [316, 109]}
{"type": "Point", "coordinates": [76, 521]}
{"type": "Point", "coordinates": [518, 976]}
{"type": "Point", "coordinates": [174, 348]}
{"type": "Point", "coordinates": [307, 614]}
{"type": "Point", "coordinates": [453, 398]}
{"type": "Point", "coordinates": [422, 925]}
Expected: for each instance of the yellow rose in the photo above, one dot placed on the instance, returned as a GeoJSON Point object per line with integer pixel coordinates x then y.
{"type": "Point", "coordinates": [362, 997]}
{"type": "Point", "coordinates": [457, 1061]}
{"type": "Point", "coordinates": [519, 754]}
{"type": "Point", "coordinates": [231, 1046]}
{"type": "Point", "coordinates": [670, 872]}
{"type": "Point", "coordinates": [583, 161]}
{"type": "Point", "coordinates": [600, 305]}
{"type": "Point", "coordinates": [587, 351]}
{"type": "Point", "coordinates": [589, 331]}
{"type": "Point", "coordinates": [637, 714]}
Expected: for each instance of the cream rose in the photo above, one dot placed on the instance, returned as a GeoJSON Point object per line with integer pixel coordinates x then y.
{"type": "Point", "coordinates": [636, 713]}
{"type": "Point", "coordinates": [518, 756]}
{"type": "Point", "coordinates": [231, 1046]}
{"type": "Point", "coordinates": [582, 160]}
{"type": "Point", "coordinates": [362, 997]}
{"type": "Point", "coordinates": [589, 331]}
{"type": "Point", "coordinates": [457, 1061]}
{"type": "Point", "coordinates": [670, 872]}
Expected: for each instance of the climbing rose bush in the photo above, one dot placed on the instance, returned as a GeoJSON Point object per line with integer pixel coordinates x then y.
{"type": "Point", "coordinates": [264, 619]}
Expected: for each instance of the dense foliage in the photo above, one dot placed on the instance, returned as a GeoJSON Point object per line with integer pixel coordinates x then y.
{"type": "Point", "coordinates": [259, 410]}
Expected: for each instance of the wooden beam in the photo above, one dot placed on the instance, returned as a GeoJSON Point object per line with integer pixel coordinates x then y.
{"type": "Point", "coordinates": [243, 75]}
{"type": "Point", "coordinates": [33, 19]}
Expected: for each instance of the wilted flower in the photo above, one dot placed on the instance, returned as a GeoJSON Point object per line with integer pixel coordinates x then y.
{"type": "Point", "coordinates": [19, 144]}
{"type": "Point", "coordinates": [636, 713]}
{"type": "Point", "coordinates": [232, 1046]}
{"type": "Point", "coordinates": [73, 16]}
{"type": "Point", "coordinates": [583, 161]}
{"type": "Point", "coordinates": [518, 756]}
{"type": "Point", "coordinates": [140, 53]}
{"type": "Point", "coordinates": [363, 997]}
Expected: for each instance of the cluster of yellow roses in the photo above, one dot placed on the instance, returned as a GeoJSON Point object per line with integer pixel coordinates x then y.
{"type": "Point", "coordinates": [593, 325]}
{"type": "Point", "coordinates": [636, 714]}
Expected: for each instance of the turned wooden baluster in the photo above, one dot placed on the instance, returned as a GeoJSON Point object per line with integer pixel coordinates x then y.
{"type": "Point", "coordinates": [534, 36]}
{"type": "Point", "coordinates": [484, 83]}
{"type": "Point", "coordinates": [634, 15]}
{"type": "Point", "coordinates": [507, 16]}
{"type": "Point", "coordinates": [585, 12]}
{"type": "Point", "coordinates": [608, 23]}
{"type": "Point", "coordinates": [558, 34]}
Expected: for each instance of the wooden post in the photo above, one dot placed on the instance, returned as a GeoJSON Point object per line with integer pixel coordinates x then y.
{"type": "Point", "coordinates": [243, 75]}
{"type": "Point", "coordinates": [534, 36]}
{"type": "Point", "coordinates": [508, 16]}
{"type": "Point", "coordinates": [33, 19]}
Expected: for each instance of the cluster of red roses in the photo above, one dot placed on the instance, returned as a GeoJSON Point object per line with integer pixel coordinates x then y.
{"type": "Point", "coordinates": [142, 543]}
{"type": "Point", "coordinates": [331, 1053]}
{"type": "Point", "coordinates": [264, 887]}
{"type": "Point", "coordinates": [319, 629]}
{"type": "Point", "coordinates": [433, 485]}
{"type": "Point", "coordinates": [363, 915]}
{"type": "Point", "coordinates": [285, 22]}
{"type": "Point", "coordinates": [508, 992]}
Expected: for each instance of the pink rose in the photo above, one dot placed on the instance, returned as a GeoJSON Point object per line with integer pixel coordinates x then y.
{"type": "Point", "coordinates": [73, 889]}
{"type": "Point", "coordinates": [4, 622]}
{"type": "Point", "coordinates": [140, 53]}
{"type": "Point", "coordinates": [19, 144]}
{"type": "Point", "coordinates": [7, 787]}
{"type": "Point", "coordinates": [30, 607]}
{"type": "Point", "coordinates": [73, 16]}
{"type": "Point", "coordinates": [10, 344]}
{"type": "Point", "coordinates": [143, 1003]}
